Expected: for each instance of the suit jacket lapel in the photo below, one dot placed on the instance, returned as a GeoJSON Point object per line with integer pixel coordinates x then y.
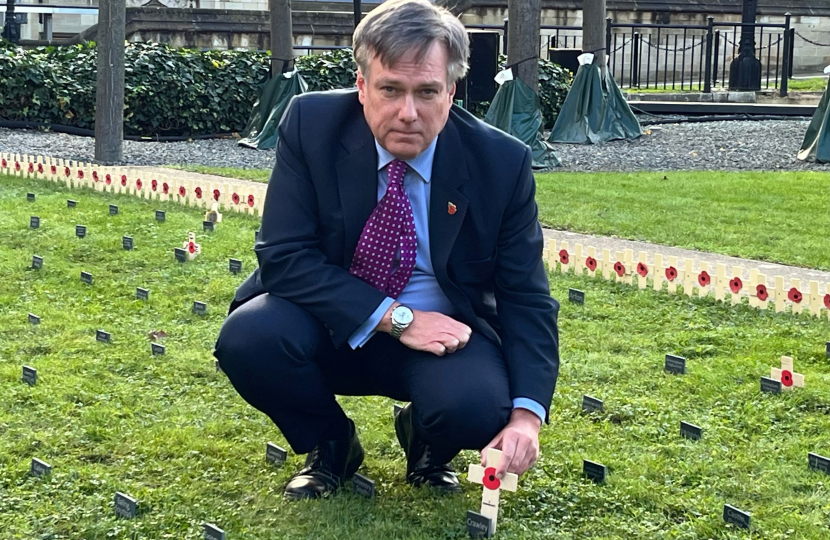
{"type": "Point", "coordinates": [448, 205]}
{"type": "Point", "coordinates": [357, 182]}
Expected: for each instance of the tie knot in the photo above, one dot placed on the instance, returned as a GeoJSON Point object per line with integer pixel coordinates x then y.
{"type": "Point", "coordinates": [396, 169]}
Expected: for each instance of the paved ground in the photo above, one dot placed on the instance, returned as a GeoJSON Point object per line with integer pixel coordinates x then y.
{"type": "Point", "coordinates": [766, 268]}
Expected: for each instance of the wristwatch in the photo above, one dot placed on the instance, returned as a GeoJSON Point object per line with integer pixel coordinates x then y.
{"type": "Point", "coordinates": [401, 319]}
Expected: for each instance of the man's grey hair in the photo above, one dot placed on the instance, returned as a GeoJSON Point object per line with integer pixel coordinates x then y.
{"type": "Point", "coordinates": [399, 27]}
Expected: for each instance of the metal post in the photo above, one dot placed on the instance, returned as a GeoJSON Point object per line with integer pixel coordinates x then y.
{"type": "Point", "coordinates": [745, 71]}
{"type": "Point", "coordinates": [504, 43]}
{"type": "Point", "coordinates": [47, 27]}
{"type": "Point", "coordinates": [707, 82]}
{"type": "Point", "coordinates": [785, 72]}
{"type": "Point", "coordinates": [608, 24]}
{"type": "Point", "coordinates": [109, 96]}
{"type": "Point", "coordinates": [11, 30]}
{"type": "Point", "coordinates": [357, 13]}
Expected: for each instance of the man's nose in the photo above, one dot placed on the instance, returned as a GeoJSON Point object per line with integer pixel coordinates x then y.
{"type": "Point", "coordinates": [408, 112]}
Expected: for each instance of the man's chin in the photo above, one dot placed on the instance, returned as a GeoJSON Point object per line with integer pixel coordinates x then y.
{"type": "Point", "coordinates": [405, 150]}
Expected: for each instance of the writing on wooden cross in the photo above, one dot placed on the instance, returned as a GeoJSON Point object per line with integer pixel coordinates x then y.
{"type": "Point", "coordinates": [787, 375]}
{"type": "Point", "coordinates": [191, 247]}
{"type": "Point", "coordinates": [492, 484]}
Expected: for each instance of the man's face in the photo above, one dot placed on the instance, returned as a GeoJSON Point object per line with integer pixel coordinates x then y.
{"type": "Point", "coordinates": [407, 105]}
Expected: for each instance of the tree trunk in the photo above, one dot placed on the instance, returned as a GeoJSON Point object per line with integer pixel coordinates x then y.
{"type": "Point", "coordinates": [109, 96]}
{"type": "Point", "coordinates": [524, 18]}
{"type": "Point", "coordinates": [593, 30]}
{"type": "Point", "coordinates": [282, 36]}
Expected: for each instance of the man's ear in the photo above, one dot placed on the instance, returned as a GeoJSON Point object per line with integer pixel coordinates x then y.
{"type": "Point", "coordinates": [361, 86]}
{"type": "Point", "coordinates": [452, 92]}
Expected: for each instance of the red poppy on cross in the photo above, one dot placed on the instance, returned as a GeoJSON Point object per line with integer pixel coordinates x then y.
{"type": "Point", "coordinates": [486, 476]}
{"type": "Point", "coordinates": [787, 374]}
{"type": "Point", "coordinates": [193, 249]}
{"type": "Point", "coordinates": [591, 263]}
{"type": "Point", "coordinates": [563, 256]}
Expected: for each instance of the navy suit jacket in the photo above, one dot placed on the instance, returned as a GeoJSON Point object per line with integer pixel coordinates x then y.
{"type": "Point", "coordinates": [487, 255]}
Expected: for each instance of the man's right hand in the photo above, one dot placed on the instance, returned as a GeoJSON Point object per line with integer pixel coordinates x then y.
{"type": "Point", "coordinates": [435, 332]}
{"type": "Point", "coordinates": [430, 331]}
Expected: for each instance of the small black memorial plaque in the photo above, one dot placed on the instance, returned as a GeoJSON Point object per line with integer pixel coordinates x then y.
{"type": "Point", "coordinates": [199, 308]}
{"type": "Point", "coordinates": [125, 506]}
{"type": "Point", "coordinates": [690, 431]}
{"type": "Point", "coordinates": [161, 217]}
{"type": "Point", "coordinates": [217, 366]}
{"type": "Point", "coordinates": [34, 222]}
{"type": "Point", "coordinates": [256, 235]}
{"type": "Point", "coordinates": [40, 468]}
{"type": "Point", "coordinates": [479, 526]}
{"type": "Point", "coordinates": [274, 454]}
{"type": "Point", "coordinates": [30, 197]}
{"type": "Point", "coordinates": [29, 375]}
{"type": "Point", "coordinates": [591, 404]}
{"type": "Point", "coordinates": [103, 337]}
{"type": "Point", "coordinates": [818, 463]}
{"type": "Point", "coordinates": [827, 346]}
{"type": "Point", "coordinates": [86, 277]}
{"type": "Point", "coordinates": [207, 226]}
{"type": "Point", "coordinates": [34, 319]}
{"type": "Point", "coordinates": [235, 266]}
{"type": "Point", "coordinates": [158, 349]}
{"type": "Point", "coordinates": [675, 364]}
{"type": "Point", "coordinates": [396, 409]}
{"type": "Point", "coordinates": [80, 231]}
{"type": "Point", "coordinates": [594, 471]}
{"type": "Point", "coordinates": [212, 532]}
{"type": "Point", "coordinates": [770, 386]}
{"type": "Point", "coordinates": [576, 296]}
{"type": "Point", "coordinates": [37, 262]}
{"type": "Point", "coordinates": [127, 242]}
{"type": "Point", "coordinates": [113, 210]}
{"type": "Point", "coordinates": [735, 516]}
{"type": "Point", "coordinates": [363, 486]}
{"type": "Point", "coordinates": [181, 255]}
{"type": "Point", "coordinates": [142, 294]}
{"type": "Point", "coordinates": [71, 204]}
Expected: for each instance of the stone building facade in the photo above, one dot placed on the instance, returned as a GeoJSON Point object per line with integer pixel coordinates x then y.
{"type": "Point", "coordinates": [328, 22]}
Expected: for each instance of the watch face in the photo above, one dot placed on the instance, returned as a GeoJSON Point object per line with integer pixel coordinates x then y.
{"type": "Point", "coordinates": [402, 315]}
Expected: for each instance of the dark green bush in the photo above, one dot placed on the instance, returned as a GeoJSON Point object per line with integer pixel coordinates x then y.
{"type": "Point", "coordinates": [176, 91]}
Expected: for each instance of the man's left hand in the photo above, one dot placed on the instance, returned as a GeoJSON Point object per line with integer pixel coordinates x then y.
{"type": "Point", "coordinates": [518, 442]}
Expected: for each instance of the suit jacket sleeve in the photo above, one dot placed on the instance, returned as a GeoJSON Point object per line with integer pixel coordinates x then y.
{"type": "Point", "coordinates": [292, 265]}
{"type": "Point", "coordinates": [527, 313]}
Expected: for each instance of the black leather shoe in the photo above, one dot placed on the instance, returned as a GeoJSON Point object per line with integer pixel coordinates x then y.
{"type": "Point", "coordinates": [327, 467]}
{"type": "Point", "coordinates": [420, 467]}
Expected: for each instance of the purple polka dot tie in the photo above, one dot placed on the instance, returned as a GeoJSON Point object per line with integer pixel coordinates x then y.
{"type": "Point", "coordinates": [390, 231]}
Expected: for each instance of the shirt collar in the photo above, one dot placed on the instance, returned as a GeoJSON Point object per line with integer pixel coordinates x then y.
{"type": "Point", "coordinates": [421, 164]}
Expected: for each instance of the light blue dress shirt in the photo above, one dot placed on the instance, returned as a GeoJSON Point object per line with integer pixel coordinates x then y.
{"type": "Point", "coordinates": [422, 292]}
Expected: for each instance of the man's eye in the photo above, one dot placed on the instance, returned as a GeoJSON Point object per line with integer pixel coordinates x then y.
{"type": "Point", "coordinates": [388, 89]}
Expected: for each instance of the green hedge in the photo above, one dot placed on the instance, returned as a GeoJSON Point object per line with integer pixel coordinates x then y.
{"type": "Point", "coordinates": [176, 91]}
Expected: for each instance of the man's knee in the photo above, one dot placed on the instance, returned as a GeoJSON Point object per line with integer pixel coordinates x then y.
{"type": "Point", "coordinates": [266, 326]}
{"type": "Point", "coordinates": [465, 419]}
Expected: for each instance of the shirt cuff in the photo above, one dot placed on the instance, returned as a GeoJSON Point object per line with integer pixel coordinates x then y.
{"type": "Point", "coordinates": [363, 334]}
{"type": "Point", "coordinates": [533, 406]}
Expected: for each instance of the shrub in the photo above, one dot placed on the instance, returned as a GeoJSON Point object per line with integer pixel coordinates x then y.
{"type": "Point", "coordinates": [176, 91]}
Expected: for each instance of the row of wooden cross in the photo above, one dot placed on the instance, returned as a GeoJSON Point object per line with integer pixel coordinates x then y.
{"type": "Point", "coordinates": [234, 195]}
{"type": "Point", "coordinates": [698, 277]}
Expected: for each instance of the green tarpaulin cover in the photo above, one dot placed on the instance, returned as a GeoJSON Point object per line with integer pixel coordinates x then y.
{"type": "Point", "coordinates": [594, 111]}
{"type": "Point", "coordinates": [515, 110]}
{"type": "Point", "coordinates": [261, 131]}
{"type": "Point", "coordinates": [816, 145]}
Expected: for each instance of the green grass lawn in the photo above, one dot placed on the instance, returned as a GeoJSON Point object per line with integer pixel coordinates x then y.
{"type": "Point", "coordinates": [172, 432]}
{"type": "Point", "coordinates": [256, 175]}
{"type": "Point", "coordinates": [814, 84]}
{"type": "Point", "coordinates": [772, 216]}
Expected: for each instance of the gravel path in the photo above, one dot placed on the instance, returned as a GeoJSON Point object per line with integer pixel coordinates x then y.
{"type": "Point", "coordinates": [740, 145]}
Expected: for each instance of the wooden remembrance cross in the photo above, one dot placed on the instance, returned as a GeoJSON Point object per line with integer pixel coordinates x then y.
{"type": "Point", "coordinates": [492, 485]}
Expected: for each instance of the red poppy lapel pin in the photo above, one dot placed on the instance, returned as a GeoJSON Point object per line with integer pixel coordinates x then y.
{"type": "Point", "coordinates": [451, 208]}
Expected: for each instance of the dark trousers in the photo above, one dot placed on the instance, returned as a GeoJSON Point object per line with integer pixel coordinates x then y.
{"type": "Point", "coordinates": [282, 361]}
